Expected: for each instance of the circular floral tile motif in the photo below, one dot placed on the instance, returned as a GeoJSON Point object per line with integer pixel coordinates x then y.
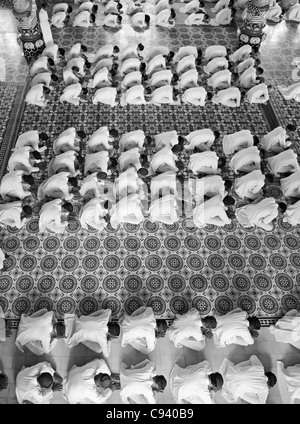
{"type": "Point", "coordinates": [90, 263]}
{"type": "Point", "coordinates": [179, 305]}
{"type": "Point", "coordinates": [236, 261]}
{"type": "Point", "coordinates": [131, 228]}
{"type": "Point", "coordinates": [192, 243]}
{"type": "Point", "coordinates": [274, 191]}
{"type": "Point", "coordinates": [152, 243]}
{"type": "Point", "coordinates": [68, 284]}
{"type": "Point", "coordinates": [198, 283]}
{"type": "Point", "coordinates": [46, 284]}
{"type": "Point", "coordinates": [223, 304]}
{"type": "Point", "coordinates": [272, 242]}
{"type": "Point", "coordinates": [285, 226]}
{"type": "Point", "coordinates": [32, 226]}
{"type": "Point", "coordinates": [90, 284]}
{"type": "Point", "coordinates": [132, 304]}
{"type": "Point", "coordinates": [153, 262]}
{"type": "Point", "coordinates": [278, 261]}
{"type": "Point", "coordinates": [257, 261]}
{"type": "Point", "coordinates": [133, 284]}
{"type": "Point", "coordinates": [71, 244]}
{"type": "Point", "coordinates": [246, 303]}
{"type": "Point", "coordinates": [295, 260]}
{"type": "Point", "coordinates": [73, 226]}
{"type": "Point", "coordinates": [112, 303]}
{"type": "Point", "coordinates": [216, 262]}
{"type": "Point", "coordinates": [11, 244]}
{"type": "Point", "coordinates": [132, 263]}
{"type": "Point", "coordinates": [171, 228]}
{"type": "Point", "coordinates": [241, 282]}
{"type": "Point", "coordinates": [150, 227]}
{"type": "Point", "coordinates": [174, 262]}
{"type": "Point", "coordinates": [212, 243]}
{"type": "Point", "coordinates": [290, 302]}
{"type": "Point", "coordinates": [28, 263]}
{"type": "Point", "coordinates": [268, 304]}
{"type": "Point", "coordinates": [232, 242]}
{"type": "Point", "coordinates": [3, 303]}
{"type": "Point", "coordinates": [132, 243]}
{"type": "Point", "coordinates": [24, 284]}
{"type": "Point", "coordinates": [284, 281]}
{"type": "Point", "coordinates": [195, 262]}
{"type": "Point", "coordinates": [157, 304]}
{"type": "Point", "coordinates": [230, 227]}
{"type": "Point", "coordinates": [188, 225]}
{"type": "Point", "coordinates": [21, 306]}
{"type": "Point", "coordinates": [262, 282]}
{"type": "Point", "coordinates": [5, 283]}
{"type": "Point", "coordinates": [31, 244]}
{"type": "Point", "coordinates": [91, 243]}
{"type": "Point", "coordinates": [51, 244]}
{"type": "Point", "coordinates": [172, 243]}
{"type": "Point", "coordinates": [176, 283]}
{"type": "Point", "coordinates": [43, 303]}
{"type": "Point", "coordinates": [66, 305]}
{"type": "Point", "coordinates": [111, 262]}
{"type": "Point", "coordinates": [201, 304]}
{"type": "Point", "coordinates": [219, 282]}
{"type": "Point", "coordinates": [69, 263]}
{"type": "Point", "coordinates": [88, 305]}
{"type": "Point", "coordinates": [10, 263]}
{"type": "Point", "coordinates": [252, 242]}
{"type": "Point", "coordinates": [154, 283]}
{"type": "Point", "coordinates": [292, 242]}
{"type": "Point", "coordinates": [111, 243]}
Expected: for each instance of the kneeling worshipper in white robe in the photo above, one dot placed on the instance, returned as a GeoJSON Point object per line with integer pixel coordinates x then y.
{"type": "Point", "coordinates": [133, 96]}
{"type": "Point", "coordinates": [140, 20]}
{"type": "Point", "coordinates": [291, 91]}
{"type": "Point", "coordinates": [201, 139]}
{"type": "Point", "coordinates": [54, 216]}
{"type": "Point", "coordinates": [249, 78]}
{"type": "Point", "coordinates": [275, 141]}
{"type": "Point", "coordinates": [68, 140]}
{"type": "Point", "coordinates": [221, 4]}
{"type": "Point", "coordinates": [36, 384]}
{"type": "Point", "coordinates": [204, 163]}
{"type": "Point", "coordinates": [185, 64]}
{"type": "Point", "coordinates": [53, 51]}
{"type": "Point", "coordinates": [37, 95]}
{"type": "Point", "coordinates": [164, 184]}
{"type": "Point", "coordinates": [241, 54]}
{"type": "Point", "coordinates": [154, 51]}
{"type": "Point", "coordinates": [128, 183]}
{"type": "Point", "coordinates": [129, 65]}
{"type": "Point", "coordinates": [162, 161]}
{"type": "Point", "coordinates": [39, 332]}
{"type": "Point", "coordinates": [157, 63]}
{"type": "Point", "coordinates": [58, 18]}
{"type": "Point", "coordinates": [223, 17]}
{"type": "Point", "coordinates": [292, 214]}
{"type": "Point", "coordinates": [105, 95]}
{"type": "Point", "coordinates": [69, 76]}
{"type": "Point", "coordinates": [101, 139]}
{"type": "Point", "coordinates": [128, 209]}
{"type": "Point", "coordinates": [247, 381]}
{"type": "Point", "coordinates": [165, 18]}
{"type": "Point", "coordinates": [191, 7]}
{"type": "Point", "coordinates": [140, 383]}
{"type": "Point", "coordinates": [245, 64]}
{"type": "Point", "coordinates": [250, 186]}
{"type": "Point", "coordinates": [42, 64]}
{"type": "Point", "coordinates": [106, 63]}
{"type": "Point", "coordinates": [195, 96]}
{"type": "Point", "coordinates": [76, 50]}
{"type": "Point", "coordinates": [189, 330]}
{"type": "Point", "coordinates": [293, 14]}
{"type": "Point", "coordinates": [290, 186]}
{"type": "Point", "coordinates": [95, 331]}
{"type": "Point", "coordinates": [211, 212]}
{"type": "Point", "coordinates": [130, 158]}
{"type": "Point", "coordinates": [14, 214]}
{"type": "Point", "coordinates": [65, 162]}
{"type": "Point", "coordinates": [195, 384]}
{"type": "Point", "coordinates": [198, 18]}
{"type": "Point", "coordinates": [24, 159]}
{"type": "Point", "coordinates": [235, 327]}
{"type": "Point", "coordinates": [287, 329]}
{"type": "Point", "coordinates": [187, 51]}
{"type": "Point", "coordinates": [161, 78]}
{"type": "Point", "coordinates": [209, 186]}
{"type": "Point", "coordinates": [237, 141]}
{"type": "Point", "coordinates": [33, 139]}
{"type": "Point", "coordinates": [57, 186]}
{"type": "Point", "coordinates": [71, 94]}
{"type": "Point", "coordinates": [96, 162]}
{"type": "Point", "coordinates": [284, 162]}
{"type": "Point", "coordinates": [260, 214]}
{"type": "Point", "coordinates": [230, 96]}
{"type": "Point", "coordinates": [107, 51]}
{"type": "Point", "coordinates": [88, 384]}
{"type": "Point", "coordinates": [81, 63]}
{"type": "Point", "coordinates": [215, 51]}
{"type": "Point", "coordinates": [215, 65]}
{"type": "Point", "coordinates": [246, 160]}
{"type": "Point", "coordinates": [258, 94]}
{"type": "Point", "coordinates": [220, 80]}
{"type": "Point", "coordinates": [274, 13]}
{"type": "Point", "coordinates": [112, 21]}
{"type": "Point", "coordinates": [131, 50]}
{"type": "Point", "coordinates": [289, 383]}
{"type": "Point", "coordinates": [45, 78]}
{"type": "Point", "coordinates": [15, 185]}
{"type": "Point", "coordinates": [93, 214]}
{"type": "Point", "coordinates": [188, 79]}
{"type": "Point", "coordinates": [131, 79]}
{"type": "Point", "coordinates": [91, 186]}
{"type": "Point", "coordinates": [132, 139]}
{"type": "Point", "coordinates": [83, 19]}
{"type": "Point", "coordinates": [164, 209]}
{"type": "Point", "coordinates": [166, 94]}
{"type": "Point", "coordinates": [166, 139]}
{"type": "Point", "coordinates": [102, 78]}
{"type": "Point", "coordinates": [141, 330]}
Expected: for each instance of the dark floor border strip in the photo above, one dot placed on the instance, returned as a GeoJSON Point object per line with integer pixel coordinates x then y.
{"type": "Point", "coordinates": [269, 115]}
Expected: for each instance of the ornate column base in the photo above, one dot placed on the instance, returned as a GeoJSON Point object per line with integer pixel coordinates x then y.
{"type": "Point", "coordinates": [253, 35]}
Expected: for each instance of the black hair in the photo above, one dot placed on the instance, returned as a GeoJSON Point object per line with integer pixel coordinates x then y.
{"type": "Point", "coordinates": [269, 178]}
{"type": "Point", "coordinates": [43, 136]}
{"type": "Point", "coordinates": [181, 140]}
{"type": "Point", "coordinates": [217, 134]}
{"type": "Point", "coordinates": [120, 18]}
{"type": "Point", "coordinates": [70, 9]}
{"type": "Point", "coordinates": [61, 51]}
{"type": "Point", "coordinates": [54, 77]}
{"type": "Point", "coordinates": [209, 321]}
{"type": "Point", "coordinates": [75, 68]}
{"type": "Point", "coordinates": [27, 210]}
{"type": "Point", "coordinates": [140, 47]}
{"type": "Point", "coordinates": [259, 70]}
{"type": "Point", "coordinates": [3, 381]}
{"type": "Point", "coordinates": [255, 140]}
{"type": "Point", "coordinates": [105, 204]}
{"type": "Point", "coordinates": [93, 17]}
{"type": "Point", "coordinates": [101, 175]}
{"type": "Point", "coordinates": [80, 159]}
{"type": "Point", "coordinates": [228, 201]}
{"type": "Point", "coordinates": [50, 61]}
{"type": "Point", "coordinates": [84, 48]}
{"type": "Point", "coordinates": [68, 206]}
{"type": "Point", "coordinates": [227, 184]}
{"type": "Point", "coordinates": [142, 66]}
{"type": "Point", "coordinates": [95, 8]}
{"type": "Point", "coordinates": [209, 95]}
{"type": "Point", "coordinates": [46, 90]}
{"type": "Point", "coordinates": [161, 382]}
{"type": "Point", "coordinates": [113, 162]}
{"type": "Point", "coordinates": [142, 172]}
{"type": "Point", "coordinates": [113, 329]}
{"type": "Point", "coordinates": [113, 132]}
{"type": "Point", "coordinates": [254, 322]}
{"type": "Point", "coordinates": [73, 181]}
{"type": "Point", "coordinates": [28, 179]}
{"type": "Point", "coordinates": [201, 4]}
{"type": "Point", "coordinates": [272, 380]}
{"type": "Point", "coordinates": [180, 165]}
{"type": "Point", "coordinates": [60, 329]}
{"type": "Point", "coordinates": [175, 78]}
{"type": "Point", "coordinates": [173, 13]}
{"type": "Point", "coordinates": [116, 49]}
{"type": "Point", "coordinates": [148, 140]}
{"type": "Point", "coordinates": [282, 206]}
{"type": "Point", "coordinates": [81, 134]}
{"type": "Point", "coordinates": [161, 326]}
{"type": "Point", "coordinates": [233, 11]}
{"type": "Point", "coordinates": [177, 148]}
{"type": "Point", "coordinates": [291, 127]}
{"type": "Point", "coordinates": [45, 380]}
{"type": "Point", "coordinates": [36, 155]}
{"type": "Point", "coordinates": [216, 380]}
{"type": "Point", "coordinates": [175, 92]}
{"type": "Point", "coordinates": [88, 64]}
{"type": "Point", "coordinates": [84, 91]}
{"type": "Point", "coordinates": [147, 19]}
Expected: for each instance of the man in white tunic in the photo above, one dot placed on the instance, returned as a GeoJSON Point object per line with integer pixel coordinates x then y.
{"type": "Point", "coordinates": [260, 214]}
{"type": "Point", "coordinates": [245, 64]}
{"type": "Point", "coordinates": [276, 140]}
{"type": "Point", "coordinates": [250, 186]}
{"type": "Point", "coordinates": [45, 78]}
{"type": "Point", "coordinates": [189, 330]}
{"type": "Point", "coordinates": [188, 79]}
{"type": "Point", "coordinates": [246, 160]}
{"type": "Point", "coordinates": [106, 95]}
{"type": "Point", "coordinates": [57, 187]}
{"type": "Point", "coordinates": [54, 216]}
{"type": "Point", "coordinates": [289, 382]}
{"type": "Point", "coordinates": [39, 332]}
{"type": "Point", "coordinates": [133, 96]}
{"type": "Point", "coordinates": [88, 384]}
{"type": "Point", "coordinates": [165, 18]}
{"type": "Point", "coordinates": [37, 95]}
{"type": "Point", "coordinates": [96, 162]}
{"type": "Point", "coordinates": [33, 139]}
{"type": "Point", "coordinates": [220, 80]}
{"type": "Point", "coordinates": [290, 92]}
{"type": "Point", "coordinates": [164, 209]}
{"type": "Point", "coordinates": [129, 65]}
{"type": "Point", "coordinates": [292, 214]}
{"type": "Point", "coordinates": [65, 162]}
{"type": "Point", "coordinates": [141, 330]}
{"type": "Point", "coordinates": [166, 139]}
{"type": "Point", "coordinates": [258, 94]}
{"type": "Point", "coordinates": [195, 384]}
{"type": "Point", "coordinates": [130, 158]}
{"type": "Point", "coordinates": [163, 184]}
{"type": "Point", "coordinates": [76, 50]}
{"type": "Point", "coordinates": [201, 139]}
{"type": "Point", "coordinates": [91, 186]}
{"type": "Point", "coordinates": [112, 21]}
{"type": "Point", "coordinates": [211, 212]}
{"type": "Point", "coordinates": [162, 161]}
{"type": "Point", "coordinates": [206, 162]}
{"type": "Point", "coordinates": [185, 64]}
{"type": "Point", "coordinates": [230, 97]}
{"type": "Point", "coordinates": [166, 94]}
{"type": "Point", "coordinates": [195, 96]}
{"type": "Point", "coordinates": [102, 78]}
{"type": "Point", "coordinates": [107, 51]}
{"type": "Point", "coordinates": [157, 50]}
{"type": "Point", "coordinates": [101, 139]}
{"type": "Point", "coordinates": [284, 162]}
{"type": "Point", "coordinates": [293, 14]}
{"type": "Point", "coordinates": [237, 141]}
{"type": "Point", "coordinates": [157, 63]}
{"type": "Point", "coordinates": [198, 18]}
{"type": "Point", "coordinates": [68, 140]}
{"type": "Point", "coordinates": [24, 159]}
{"type": "Point", "coordinates": [16, 185]}
{"type": "Point", "coordinates": [95, 331]}
{"type": "Point", "coordinates": [58, 18]}
{"type": "Point", "coordinates": [93, 214]}
{"type": "Point", "coordinates": [128, 209]}
{"type": "Point", "coordinates": [14, 214]}
{"type": "Point", "coordinates": [71, 94]}
{"type": "Point", "coordinates": [250, 77]}
{"type": "Point", "coordinates": [215, 65]}
{"type": "Point", "coordinates": [131, 79]}
{"type": "Point", "coordinates": [84, 19]}
{"type": "Point", "coordinates": [287, 329]}
{"type": "Point", "coordinates": [246, 381]}
{"type": "Point", "coordinates": [290, 186]}
{"type": "Point", "coordinates": [42, 64]}
{"type": "Point", "coordinates": [235, 327]}
{"type": "Point", "coordinates": [186, 51]}
{"type": "Point", "coordinates": [161, 78]}
{"type": "Point", "coordinates": [207, 187]}
{"type": "Point", "coordinates": [215, 51]}
{"type": "Point", "coordinates": [241, 54]}
{"type": "Point", "coordinates": [132, 139]}
{"type": "Point", "coordinates": [128, 183]}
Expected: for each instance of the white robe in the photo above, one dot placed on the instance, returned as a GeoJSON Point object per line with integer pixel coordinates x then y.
{"type": "Point", "coordinates": [51, 51]}
{"type": "Point", "coordinates": [185, 51]}
{"type": "Point", "coordinates": [232, 328]}
{"type": "Point", "coordinates": [154, 51]}
{"type": "Point", "coordinates": [221, 4]}
{"type": "Point", "coordinates": [42, 78]}
{"type": "Point", "coordinates": [237, 141]}
{"type": "Point", "coordinates": [185, 64]}
{"type": "Point", "coordinates": [163, 158]}
{"type": "Point", "coordinates": [58, 19]}
{"type": "Point", "coordinates": [106, 95]}
{"type": "Point", "coordinates": [69, 77]}
{"type": "Point", "coordinates": [55, 186]}
{"type": "Point", "coordinates": [211, 212]}
{"type": "Point", "coordinates": [290, 186]}
{"type": "Point", "coordinates": [165, 139]}
{"type": "Point", "coordinates": [195, 96]}
{"type": "Point", "coordinates": [10, 214]}
{"type": "Point", "coordinates": [39, 65]}
{"type": "Point", "coordinates": [223, 17]}
{"type": "Point", "coordinates": [51, 217]}
{"type": "Point", "coordinates": [133, 96]}
{"type": "Point", "coordinates": [283, 162]}
{"type": "Point", "coordinates": [166, 183]}
{"type": "Point", "coordinates": [138, 20]}
{"type": "Point", "coordinates": [260, 214]}
{"type": "Point", "coordinates": [130, 158]}
{"type": "Point", "coordinates": [101, 77]}
{"type": "Point", "coordinates": [35, 96]}
{"type": "Point", "coordinates": [188, 78]}
{"type": "Point", "coordinates": [31, 139]}
{"type": "Point", "coordinates": [91, 186]}
{"type": "Point", "coordinates": [191, 383]}
{"type": "Point", "coordinates": [258, 94]}
{"type": "Point", "coordinates": [274, 13]}
{"type": "Point", "coordinates": [79, 62]}
{"type": "Point", "coordinates": [196, 18]}
{"type": "Point", "coordinates": [93, 213]}
{"type": "Point", "coordinates": [158, 62]}
{"type": "Point", "coordinates": [215, 51]}
{"type": "Point", "coordinates": [96, 162]}
{"type": "Point", "coordinates": [250, 186]}
{"type": "Point", "coordinates": [203, 138]}
{"type": "Point", "coordinates": [130, 65]}
{"type": "Point", "coordinates": [245, 380]}
{"type": "Point", "coordinates": [204, 163]}
{"type": "Point", "coordinates": [27, 387]}
{"type": "Point", "coordinates": [20, 160]}
{"type": "Point", "coordinates": [131, 79]}
{"type": "Point", "coordinates": [287, 329]}
{"type": "Point", "coordinates": [131, 140]}
{"type": "Point", "coordinates": [289, 382]}
{"type": "Point", "coordinates": [66, 141]}
{"type": "Point", "coordinates": [159, 78]}
{"type": "Point", "coordinates": [275, 141]}
{"type": "Point", "coordinates": [220, 80]}
{"type": "Point", "coordinates": [293, 14]}
{"type": "Point", "coordinates": [292, 214]}
{"type": "Point", "coordinates": [248, 78]}
{"type": "Point", "coordinates": [111, 21]}
{"type": "Point", "coordinates": [291, 91]}
{"type": "Point", "coordinates": [245, 64]}
{"type": "Point", "coordinates": [71, 94]}
{"type": "Point", "coordinates": [128, 209]}
{"type": "Point", "coordinates": [91, 330]}
{"type": "Point", "coordinates": [164, 209]}
{"type": "Point", "coordinates": [128, 183]}
{"type": "Point", "coordinates": [79, 386]}
{"type": "Point", "coordinates": [99, 140]}
{"type": "Point", "coordinates": [230, 96]}
{"type": "Point", "coordinates": [162, 18]}
{"type": "Point", "coordinates": [103, 52]}
{"type": "Point", "coordinates": [62, 161]}
{"type": "Point", "coordinates": [82, 19]}
{"type": "Point", "coordinates": [246, 160]}
{"type": "Point", "coordinates": [215, 65]}
{"type": "Point", "coordinates": [102, 64]}
{"type": "Point", "coordinates": [185, 331]}
{"type": "Point", "coordinates": [12, 185]}
{"type": "Point", "coordinates": [210, 186]}
{"type": "Point", "coordinates": [162, 95]}
{"type": "Point", "coordinates": [190, 7]}
{"type": "Point", "coordinates": [241, 54]}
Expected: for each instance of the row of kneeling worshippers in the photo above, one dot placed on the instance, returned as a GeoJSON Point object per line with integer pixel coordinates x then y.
{"type": "Point", "coordinates": [142, 181]}
{"type": "Point", "coordinates": [93, 382]}
{"type": "Point", "coordinates": [135, 78]}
